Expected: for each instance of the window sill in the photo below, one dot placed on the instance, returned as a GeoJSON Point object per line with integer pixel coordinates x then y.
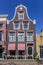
{"type": "Point", "coordinates": [12, 42]}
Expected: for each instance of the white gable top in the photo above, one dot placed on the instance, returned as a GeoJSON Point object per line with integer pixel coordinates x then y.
{"type": "Point", "coordinates": [21, 9]}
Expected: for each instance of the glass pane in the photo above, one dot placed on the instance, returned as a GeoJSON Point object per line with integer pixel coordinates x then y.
{"type": "Point", "coordinates": [21, 16]}
{"type": "Point", "coordinates": [16, 25]}
{"type": "Point", "coordinates": [12, 37]}
{"type": "Point", "coordinates": [29, 33]}
{"type": "Point", "coordinates": [1, 25]}
{"type": "Point", "coordinates": [29, 38]}
{"type": "Point", "coordinates": [21, 37]}
{"type": "Point", "coordinates": [0, 36]}
{"type": "Point", "coordinates": [25, 25]}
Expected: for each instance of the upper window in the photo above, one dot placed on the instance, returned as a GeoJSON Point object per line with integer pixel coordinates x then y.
{"type": "Point", "coordinates": [25, 25]}
{"type": "Point", "coordinates": [1, 25]}
{"type": "Point", "coordinates": [16, 25]}
{"type": "Point", "coordinates": [29, 36]}
{"type": "Point", "coordinates": [20, 15]}
{"type": "Point", "coordinates": [12, 37]}
{"type": "Point", "coordinates": [21, 37]}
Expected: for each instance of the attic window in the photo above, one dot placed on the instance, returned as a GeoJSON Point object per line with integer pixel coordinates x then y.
{"type": "Point", "coordinates": [21, 15]}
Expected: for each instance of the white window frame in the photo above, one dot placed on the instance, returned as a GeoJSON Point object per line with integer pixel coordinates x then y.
{"type": "Point", "coordinates": [19, 40]}
{"type": "Point", "coordinates": [14, 26]}
{"type": "Point", "coordinates": [14, 37]}
{"type": "Point", "coordinates": [27, 26]}
{"type": "Point", "coordinates": [28, 37]}
{"type": "Point", "coordinates": [20, 14]}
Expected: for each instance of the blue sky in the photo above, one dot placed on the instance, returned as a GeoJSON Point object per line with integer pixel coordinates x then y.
{"type": "Point", "coordinates": [34, 7]}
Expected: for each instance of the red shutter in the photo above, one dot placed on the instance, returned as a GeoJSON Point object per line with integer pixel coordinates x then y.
{"type": "Point", "coordinates": [21, 46]}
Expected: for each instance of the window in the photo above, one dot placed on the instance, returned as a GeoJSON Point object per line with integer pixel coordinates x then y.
{"type": "Point", "coordinates": [16, 25]}
{"type": "Point", "coordinates": [12, 37]}
{"type": "Point", "coordinates": [29, 50]}
{"type": "Point", "coordinates": [21, 52]}
{"type": "Point", "coordinates": [25, 26]}
{"type": "Point", "coordinates": [12, 52]}
{"type": "Point", "coordinates": [20, 15]}
{"type": "Point", "coordinates": [41, 51]}
{"type": "Point", "coordinates": [21, 37]}
{"type": "Point", "coordinates": [1, 36]}
{"type": "Point", "coordinates": [29, 36]}
{"type": "Point", "coordinates": [1, 25]}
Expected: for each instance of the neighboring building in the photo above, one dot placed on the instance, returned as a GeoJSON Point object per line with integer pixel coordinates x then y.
{"type": "Point", "coordinates": [18, 35]}
{"type": "Point", "coordinates": [3, 22]}
{"type": "Point", "coordinates": [39, 45]}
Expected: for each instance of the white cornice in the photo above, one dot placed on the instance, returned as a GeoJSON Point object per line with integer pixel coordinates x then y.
{"type": "Point", "coordinates": [3, 16]}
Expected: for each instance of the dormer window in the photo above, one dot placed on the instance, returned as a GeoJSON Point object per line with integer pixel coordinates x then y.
{"type": "Point", "coordinates": [21, 15]}
{"type": "Point", "coordinates": [16, 25]}
{"type": "Point", "coordinates": [25, 25]}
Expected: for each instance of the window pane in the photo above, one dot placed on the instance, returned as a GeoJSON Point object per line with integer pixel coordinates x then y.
{"type": "Point", "coordinates": [0, 36]}
{"type": "Point", "coordinates": [29, 33]}
{"type": "Point", "coordinates": [16, 25]}
{"type": "Point", "coordinates": [29, 36]}
{"type": "Point", "coordinates": [21, 37]}
{"type": "Point", "coordinates": [12, 37]}
{"type": "Point", "coordinates": [25, 25]}
{"type": "Point", "coordinates": [1, 25]}
{"type": "Point", "coordinates": [21, 16]}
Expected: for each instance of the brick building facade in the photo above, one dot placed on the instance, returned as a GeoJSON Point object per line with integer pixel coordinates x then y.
{"type": "Point", "coordinates": [17, 36]}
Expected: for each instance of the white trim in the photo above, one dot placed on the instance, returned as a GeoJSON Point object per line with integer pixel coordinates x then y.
{"type": "Point", "coordinates": [3, 19]}
{"type": "Point", "coordinates": [3, 16]}
{"type": "Point", "coordinates": [34, 22]}
{"type": "Point", "coordinates": [7, 21]}
{"type": "Point", "coordinates": [16, 11]}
